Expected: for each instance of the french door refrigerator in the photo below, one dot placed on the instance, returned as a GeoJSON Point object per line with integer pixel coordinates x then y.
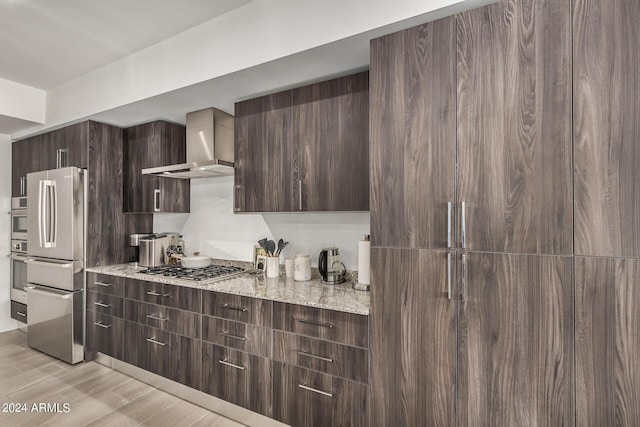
{"type": "Point", "coordinates": [55, 262]}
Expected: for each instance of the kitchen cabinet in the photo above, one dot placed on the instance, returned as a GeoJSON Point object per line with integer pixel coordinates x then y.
{"type": "Point", "coordinates": [606, 128]}
{"type": "Point", "coordinates": [151, 145]}
{"type": "Point", "coordinates": [105, 334]}
{"type": "Point", "coordinates": [607, 341]}
{"type": "Point", "coordinates": [25, 158]}
{"type": "Point", "coordinates": [147, 348]}
{"type": "Point", "coordinates": [19, 311]}
{"type": "Point", "coordinates": [241, 336]}
{"type": "Point", "coordinates": [304, 149]}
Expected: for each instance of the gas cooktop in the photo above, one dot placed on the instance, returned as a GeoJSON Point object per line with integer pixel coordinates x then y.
{"type": "Point", "coordinates": [211, 272]}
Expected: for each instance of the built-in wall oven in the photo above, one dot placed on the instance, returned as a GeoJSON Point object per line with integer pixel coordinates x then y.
{"type": "Point", "coordinates": [18, 257]}
{"type": "Point", "coordinates": [19, 224]}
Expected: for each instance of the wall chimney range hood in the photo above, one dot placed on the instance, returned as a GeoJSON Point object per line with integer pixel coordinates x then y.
{"type": "Point", "coordinates": [209, 147]}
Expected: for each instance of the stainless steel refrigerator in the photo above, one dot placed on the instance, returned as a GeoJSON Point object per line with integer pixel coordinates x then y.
{"type": "Point", "coordinates": [56, 262]}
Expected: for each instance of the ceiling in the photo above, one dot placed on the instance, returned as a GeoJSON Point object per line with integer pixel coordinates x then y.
{"type": "Point", "coordinates": [69, 38]}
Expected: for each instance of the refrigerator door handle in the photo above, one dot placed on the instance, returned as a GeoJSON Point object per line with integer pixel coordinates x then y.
{"type": "Point", "coordinates": [53, 206]}
{"type": "Point", "coordinates": [47, 214]}
{"type": "Point", "coordinates": [41, 215]}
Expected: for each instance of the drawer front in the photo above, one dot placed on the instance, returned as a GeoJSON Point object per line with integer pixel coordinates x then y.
{"type": "Point", "coordinates": [19, 311]}
{"type": "Point", "coordinates": [241, 336]}
{"type": "Point", "coordinates": [238, 377]}
{"type": "Point", "coordinates": [304, 398]}
{"type": "Point", "coordinates": [105, 304]}
{"type": "Point", "coordinates": [161, 317]}
{"type": "Point", "coordinates": [105, 284]}
{"type": "Point", "coordinates": [331, 358]}
{"type": "Point", "coordinates": [181, 297]}
{"type": "Point", "coordinates": [330, 325]}
{"type": "Point", "coordinates": [186, 359]}
{"type": "Point", "coordinates": [106, 334]}
{"type": "Point", "coordinates": [147, 348]}
{"type": "Point", "coordinates": [238, 308]}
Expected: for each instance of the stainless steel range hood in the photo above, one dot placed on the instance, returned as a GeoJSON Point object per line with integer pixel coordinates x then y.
{"type": "Point", "coordinates": [209, 147]}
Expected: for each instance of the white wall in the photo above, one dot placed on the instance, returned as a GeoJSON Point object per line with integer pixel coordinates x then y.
{"type": "Point", "coordinates": [22, 102]}
{"type": "Point", "coordinates": [6, 322]}
{"type": "Point", "coordinates": [213, 229]}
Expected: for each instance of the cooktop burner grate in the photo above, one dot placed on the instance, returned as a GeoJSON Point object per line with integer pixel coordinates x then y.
{"type": "Point", "coordinates": [211, 272]}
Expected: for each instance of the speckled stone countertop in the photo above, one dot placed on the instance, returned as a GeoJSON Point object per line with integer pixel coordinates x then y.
{"type": "Point", "coordinates": [312, 293]}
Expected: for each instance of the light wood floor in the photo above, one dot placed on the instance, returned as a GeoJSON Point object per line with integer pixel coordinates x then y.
{"type": "Point", "coordinates": [96, 395]}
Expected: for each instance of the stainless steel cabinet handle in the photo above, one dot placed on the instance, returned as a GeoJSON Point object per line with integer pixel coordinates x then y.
{"type": "Point", "coordinates": [311, 322]}
{"type": "Point", "coordinates": [324, 393]}
{"type": "Point", "coordinates": [22, 185]}
{"type": "Point", "coordinates": [449, 275]}
{"type": "Point", "coordinates": [157, 317]}
{"type": "Point", "coordinates": [156, 294]}
{"type": "Point", "coordinates": [233, 307]}
{"type": "Point", "coordinates": [101, 304]}
{"type": "Point", "coordinates": [464, 277]}
{"type": "Point", "coordinates": [300, 194]}
{"type": "Point", "coordinates": [235, 337]}
{"type": "Point", "coordinates": [313, 356]}
{"type": "Point", "coordinates": [449, 212]}
{"type": "Point", "coordinates": [463, 220]}
{"type": "Point", "coordinates": [19, 313]}
{"type": "Point", "coordinates": [106, 285]}
{"type": "Point", "coordinates": [47, 264]}
{"type": "Point", "coordinates": [102, 325]}
{"type": "Point", "coordinates": [156, 200]}
{"type": "Point", "coordinates": [152, 340]}
{"type": "Point", "coordinates": [224, 362]}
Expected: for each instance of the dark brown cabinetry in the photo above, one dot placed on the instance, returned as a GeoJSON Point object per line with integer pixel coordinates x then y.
{"type": "Point", "coordinates": [151, 145]}
{"type": "Point", "coordinates": [606, 128]}
{"type": "Point", "coordinates": [305, 149]}
{"type": "Point", "coordinates": [25, 158]}
{"type": "Point", "coordinates": [19, 311]}
{"type": "Point", "coordinates": [607, 342]}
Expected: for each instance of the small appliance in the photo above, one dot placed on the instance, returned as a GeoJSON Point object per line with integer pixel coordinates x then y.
{"type": "Point", "coordinates": [330, 267]}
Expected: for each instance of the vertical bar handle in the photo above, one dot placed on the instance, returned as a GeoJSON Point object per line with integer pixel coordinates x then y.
{"type": "Point", "coordinates": [463, 220]}
{"type": "Point", "coordinates": [449, 212]}
{"type": "Point", "coordinates": [53, 213]}
{"type": "Point", "coordinates": [22, 185]}
{"type": "Point", "coordinates": [299, 194]}
{"type": "Point", "coordinates": [156, 200]}
{"type": "Point", "coordinates": [464, 277]}
{"type": "Point", "coordinates": [41, 214]}
{"type": "Point", "coordinates": [449, 275]}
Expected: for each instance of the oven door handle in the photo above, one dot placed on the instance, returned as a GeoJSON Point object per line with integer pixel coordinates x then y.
{"type": "Point", "coordinates": [33, 261]}
{"type": "Point", "coordinates": [49, 293]}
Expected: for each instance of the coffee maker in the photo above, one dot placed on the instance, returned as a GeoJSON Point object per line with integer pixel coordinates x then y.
{"type": "Point", "coordinates": [331, 268]}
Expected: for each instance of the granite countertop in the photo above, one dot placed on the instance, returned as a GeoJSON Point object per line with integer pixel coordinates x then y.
{"type": "Point", "coordinates": [312, 293]}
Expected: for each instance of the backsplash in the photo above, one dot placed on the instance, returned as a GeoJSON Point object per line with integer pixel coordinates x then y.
{"type": "Point", "coordinates": [213, 229]}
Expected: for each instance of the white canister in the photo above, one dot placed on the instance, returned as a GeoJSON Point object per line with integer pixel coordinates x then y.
{"type": "Point", "coordinates": [302, 268]}
{"type": "Point", "coordinates": [273, 266]}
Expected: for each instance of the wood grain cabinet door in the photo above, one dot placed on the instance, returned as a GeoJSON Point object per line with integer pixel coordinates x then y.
{"type": "Point", "coordinates": [607, 342]}
{"type": "Point", "coordinates": [515, 343]}
{"type": "Point", "coordinates": [607, 127]}
{"type": "Point", "coordinates": [263, 152]}
{"type": "Point", "coordinates": [413, 135]}
{"type": "Point", "coordinates": [514, 127]}
{"type": "Point", "coordinates": [331, 143]}
{"type": "Point", "coordinates": [413, 338]}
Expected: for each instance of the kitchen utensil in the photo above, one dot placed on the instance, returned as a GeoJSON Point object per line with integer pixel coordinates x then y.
{"type": "Point", "coordinates": [195, 261]}
{"type": "Point", "coordinates": [302, 268]}
{"type": "Point", "coordinates": [284, 245]}
{"type": "Point", "coordinates": [331, 268]}
{"type": "Point", "coordinates": [280, 243]}
{"type": "Point", "coordinates": [263, 243]}
{"type": "Point", "coordinates": [271, 247]}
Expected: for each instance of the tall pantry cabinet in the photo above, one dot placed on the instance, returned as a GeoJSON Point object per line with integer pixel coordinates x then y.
{"type": "Point", "coordinates": [471, 219]}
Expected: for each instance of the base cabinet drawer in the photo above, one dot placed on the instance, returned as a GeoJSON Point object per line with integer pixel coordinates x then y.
{"type": "Point", "coordinates": [147, 348]}
{"type": "Point", "coordinates": [238, 377]}
{"type": "Point", "coordinates": [237, 335]}
{"type": "Point", "coordinates": [105, 284]}
{"type": "Point", "coordinates": [105, 334]}
{"type": "Point", "coordinates": [104, 303]}
{"type": "Point", "coordinates": [19, 311]}
{"type": "Point", "coordinates": [305, 398]}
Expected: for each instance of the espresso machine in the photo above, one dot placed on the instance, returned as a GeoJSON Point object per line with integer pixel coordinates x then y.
{"type": "Point", "coordinates": [331, 268]}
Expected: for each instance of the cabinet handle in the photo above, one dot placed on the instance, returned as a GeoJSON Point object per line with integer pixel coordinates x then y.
{"type": "Point", "coordinates": [224, 362]}
{"type": "Point", "coordinates": [157, 317]}
{"type": "Point", "coordinates": [311, 322]}
{"type": "Point", "coordinates": [228, 335]}
{"type": "Point", "coordinates": [102, 325]}
{"type": "Point", "coordinates": [449, 275]}
{"type": "Point", "coordinates": [103, 284]}
{"type": "Point", "coordinates": [463, 220]}
{"type": "Point", "coordinates": [156, 294]}
{"type": "Point", "coordinates": [324, 393]}
{"type": "Point", "coordinates": [313, 356]}
{"type": "Point", "coordinates": [449, 212]}
{"type": "Point", "coordinates": [101, 304]}
{"type": "Point", "coordinates": [19, 313]}
{"type": "Point", "coordinates": [300, 194]}
{"type": "Point", "coordinates": [234, 307]}
{"type": "Point", "coordinates": [464, 277]}
{"type": "Point", "coordinates": [156, 200]}
{"type": "Point", "coordinates": [22, 185]}
{"type": "Point", "coordinates": [152, 340]}
{"type": "Point", "coordinates": [59, 157]}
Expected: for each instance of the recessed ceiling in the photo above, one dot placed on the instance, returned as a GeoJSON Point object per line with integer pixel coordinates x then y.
{"type": "Point", "coordinates": [69, 38]}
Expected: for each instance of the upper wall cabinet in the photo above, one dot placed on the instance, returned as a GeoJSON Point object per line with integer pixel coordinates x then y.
{"type": "Point", "coordinates": [152, 145]}
{"type": "Point", "coordinates": [606, 127]}
{"type": "Point", "coordinates": [304, 150]}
